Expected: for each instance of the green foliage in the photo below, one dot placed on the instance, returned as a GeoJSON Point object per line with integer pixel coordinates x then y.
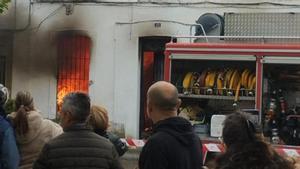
{"type": "Point", "coordinates": [3, 5]}
{"type": "Point", "coordinates": [10, 105]}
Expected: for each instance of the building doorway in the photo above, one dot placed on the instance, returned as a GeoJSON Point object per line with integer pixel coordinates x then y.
{"type": "Point", "coordinates": [152, 69]}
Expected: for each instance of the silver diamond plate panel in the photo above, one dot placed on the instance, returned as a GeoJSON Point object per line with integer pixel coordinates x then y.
{"type": "Point", "coordinates": [262, 24]}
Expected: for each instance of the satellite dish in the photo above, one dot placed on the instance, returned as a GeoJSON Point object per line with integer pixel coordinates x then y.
{"type": "Point", "coordinates": [213, 25]}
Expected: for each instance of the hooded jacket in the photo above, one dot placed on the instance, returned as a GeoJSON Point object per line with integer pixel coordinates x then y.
{"type": "Point", "coordinates": [173, 145]}
{"type": "Point", "coordinates": [40, 132]}
{"type": "Point", "coordinates": [9, 154]}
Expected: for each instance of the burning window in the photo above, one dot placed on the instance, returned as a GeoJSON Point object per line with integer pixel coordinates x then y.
{"type": "Point", "coordinates": [73, 65]}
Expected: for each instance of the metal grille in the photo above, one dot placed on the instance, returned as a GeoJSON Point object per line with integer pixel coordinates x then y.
{"type": "Point", "coordinates": [262, 24]}
{"type": "Point", "coordinates": [2, 69]}
{"type": "Point", "coordinates": [73, 65]}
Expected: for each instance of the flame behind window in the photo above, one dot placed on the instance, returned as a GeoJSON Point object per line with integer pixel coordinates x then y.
{"type": "Point", "coordinates": [73, 65]}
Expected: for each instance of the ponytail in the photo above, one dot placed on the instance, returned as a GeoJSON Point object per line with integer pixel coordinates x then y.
{"type": "Point", "coordinates": [24, 104]}
{"type": "Point", "coordinates": [21, 121]}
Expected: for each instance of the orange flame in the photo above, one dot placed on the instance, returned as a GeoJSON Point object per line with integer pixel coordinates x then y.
{"type": "Point", "coordinates": [73, 65]}
{"type": "Point", "coordinates": [61, 94]}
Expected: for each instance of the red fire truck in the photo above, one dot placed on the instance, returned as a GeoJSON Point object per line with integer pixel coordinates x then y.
{"type": "Point", "coordinates": [215, 79]}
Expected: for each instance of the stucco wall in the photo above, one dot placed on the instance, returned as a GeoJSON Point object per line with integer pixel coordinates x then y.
{"type": "Point", "coordinates": [180, 1]}
{"type": "Point", "coordinates": [115, 64]}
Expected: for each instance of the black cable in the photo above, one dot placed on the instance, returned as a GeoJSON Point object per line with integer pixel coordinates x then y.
{"type": "Point", "coordinates": [157, 20]}
{"type": "Point", "coordinates": [48, 16]}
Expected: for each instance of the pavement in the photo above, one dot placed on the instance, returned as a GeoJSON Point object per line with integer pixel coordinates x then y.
{"type": "Point", "coordinates": [130, 159]}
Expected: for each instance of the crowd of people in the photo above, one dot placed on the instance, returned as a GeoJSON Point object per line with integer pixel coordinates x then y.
{"type": "Point", "coordinates": [28, 141]}
{"type": "Point", "coordinates": [81, 140]}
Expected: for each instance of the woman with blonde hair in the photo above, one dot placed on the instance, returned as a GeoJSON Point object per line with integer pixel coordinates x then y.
{"type": "Point", "coordinates": [99, 122]}
{"type": "Point", "coordinates": [32, 130]}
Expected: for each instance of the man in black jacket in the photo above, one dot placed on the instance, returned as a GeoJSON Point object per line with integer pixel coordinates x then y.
{"type": "Point", "coordinates": [173, 144]}
{"type": "Point", "coordinates": [78, 147]}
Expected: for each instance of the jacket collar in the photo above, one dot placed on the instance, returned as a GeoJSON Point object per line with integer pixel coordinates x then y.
{"type": "Point", "coordinates": [2, 112]}
{"type": "Point", "coordinates": [101, 132]}
{"type": "Point", "coordinates": [76, 127]}
{"type": "Point", "coordinates": [171, 122]}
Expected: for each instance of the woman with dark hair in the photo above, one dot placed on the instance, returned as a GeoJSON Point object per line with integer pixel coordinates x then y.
{"type": "Point", "coordinates": [245, 149]}
{"type": "Point", "coordinates": [32, 130]}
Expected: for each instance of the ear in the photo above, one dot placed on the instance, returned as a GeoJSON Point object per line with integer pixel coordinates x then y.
{"type": "Point", "coordinates": [68, 117]}
{"type": "Point", "coordinates": [65, 119]}
{"type": "Point", "coordinates": [60, 115]}
{"type": "Point", "coordinates": [149, 109]}
{"type": "Point", "coordinates": [224, 145]}
{"type": "Point", "coordinates": [178, 104]}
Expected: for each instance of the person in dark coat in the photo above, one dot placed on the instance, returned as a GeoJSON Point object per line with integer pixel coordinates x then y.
{"type": "Point", "coordinates": [78, 146]}
{"type": "Point", "coordinates": [99, 122]}
{"type": "Point", "coordinates": [173, 144]}
{"type": "Point", "coordinates": [244, 149]}
{"type": "Point", "coordinates": [9, 154]}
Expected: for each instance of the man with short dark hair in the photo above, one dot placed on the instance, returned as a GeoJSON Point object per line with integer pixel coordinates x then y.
{"type": "Point", "coordinates": [173, 145]}
{"type": "Point", "coordinates": [78, 146]}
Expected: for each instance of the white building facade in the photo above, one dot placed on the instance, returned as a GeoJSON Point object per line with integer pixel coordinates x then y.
{"type": "Point", "coordinates": [28, 32]}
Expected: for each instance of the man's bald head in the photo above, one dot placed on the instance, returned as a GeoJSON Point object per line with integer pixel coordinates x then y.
{"type": "Point", "coordinates": [164, 96]}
